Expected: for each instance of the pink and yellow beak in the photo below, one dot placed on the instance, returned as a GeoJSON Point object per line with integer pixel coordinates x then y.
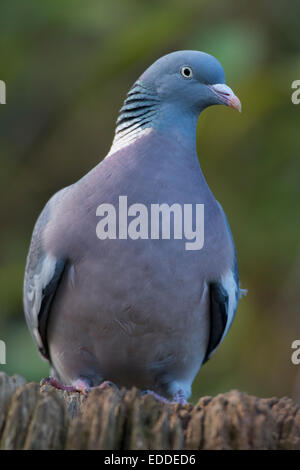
{"type": "Point", "coordinates": [226, 96]}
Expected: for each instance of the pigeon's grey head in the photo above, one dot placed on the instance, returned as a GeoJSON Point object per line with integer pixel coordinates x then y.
{"type": "Point", "coordinates": [192, 79]}
{"type": "Point", "coordinates": [170, 95]}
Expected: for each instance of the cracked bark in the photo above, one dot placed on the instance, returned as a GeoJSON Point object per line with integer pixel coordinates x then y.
{"type": "Point", "coordinates": [44, 418]}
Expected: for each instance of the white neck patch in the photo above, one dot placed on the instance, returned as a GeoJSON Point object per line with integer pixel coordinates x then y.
{"type": "Point", "coordinates": [124, 139]}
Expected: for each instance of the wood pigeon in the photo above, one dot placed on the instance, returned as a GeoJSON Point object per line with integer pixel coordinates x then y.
{"type": "Point", "coordinates": [140, 310]}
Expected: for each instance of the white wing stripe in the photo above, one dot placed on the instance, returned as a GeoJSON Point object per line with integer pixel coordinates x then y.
{"type": "Point", "coordinates": [229, 283]}
{"type": "Point", "coordinates": [40, 281]}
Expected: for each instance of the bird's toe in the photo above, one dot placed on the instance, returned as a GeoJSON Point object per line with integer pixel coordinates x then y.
{"type": "Point", "coordinates": [156, 396]}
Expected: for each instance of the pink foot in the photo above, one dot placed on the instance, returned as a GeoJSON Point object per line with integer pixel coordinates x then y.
{"type": "Point", "coordinates": [177, 398]}
{"type": "Point", "coordinates": [156, 395]}
{"type": "Point", "coordinates": [79, 385]}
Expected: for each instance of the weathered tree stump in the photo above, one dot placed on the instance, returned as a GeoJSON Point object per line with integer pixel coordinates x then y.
{"type": "Point", "coordinates": [44, 418]}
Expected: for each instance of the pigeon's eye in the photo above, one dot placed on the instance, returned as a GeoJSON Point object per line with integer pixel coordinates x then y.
{"type": "Point", "coordinates": [186, 71]}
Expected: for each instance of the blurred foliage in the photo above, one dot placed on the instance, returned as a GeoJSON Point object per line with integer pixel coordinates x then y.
{"type": "Point", "coordinates": [68, 65]}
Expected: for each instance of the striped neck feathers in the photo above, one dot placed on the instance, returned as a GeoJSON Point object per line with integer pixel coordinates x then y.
{"type": "Point", "coordinates": [136, 116]}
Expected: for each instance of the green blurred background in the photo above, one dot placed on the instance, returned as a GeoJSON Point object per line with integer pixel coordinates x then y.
{"type": "Point", "coordinates": [68, 65]}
